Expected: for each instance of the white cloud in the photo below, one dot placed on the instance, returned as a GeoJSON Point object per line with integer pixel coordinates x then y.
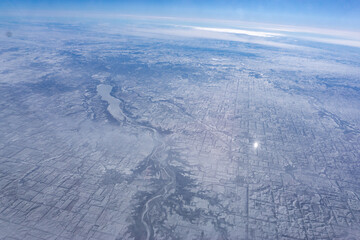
{"type": "Point", "coordinates": [239, 31]}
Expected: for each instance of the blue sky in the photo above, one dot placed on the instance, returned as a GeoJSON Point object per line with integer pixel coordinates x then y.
{"type": "Point", "coordinates": [325, 13]}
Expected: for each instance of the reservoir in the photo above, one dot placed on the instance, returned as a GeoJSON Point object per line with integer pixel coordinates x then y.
{"type": "Point", "coordinates": [114, 103]}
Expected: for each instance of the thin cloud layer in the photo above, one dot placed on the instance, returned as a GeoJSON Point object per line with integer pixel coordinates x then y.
{"type": "Point", "coordinates": [239, 31]}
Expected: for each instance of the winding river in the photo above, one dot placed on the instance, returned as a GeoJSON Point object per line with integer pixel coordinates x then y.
{"type": "Point", "coordinates": [115, 110]}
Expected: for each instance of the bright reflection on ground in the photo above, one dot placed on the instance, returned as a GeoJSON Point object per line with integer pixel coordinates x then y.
{"type": "Point", "coordinates": [256, 145]}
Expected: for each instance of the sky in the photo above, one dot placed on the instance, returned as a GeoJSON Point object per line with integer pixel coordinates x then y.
{"type": "Point", "coordinates": [340, 14]}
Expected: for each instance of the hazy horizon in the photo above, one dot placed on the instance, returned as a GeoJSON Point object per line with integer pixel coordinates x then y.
{"type": "Point", "coordinates": [325, 14]}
